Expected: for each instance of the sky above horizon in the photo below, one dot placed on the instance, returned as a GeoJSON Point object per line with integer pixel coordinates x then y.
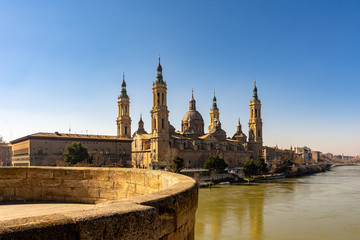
{"type": "Point", "coordinates": [61, 65]}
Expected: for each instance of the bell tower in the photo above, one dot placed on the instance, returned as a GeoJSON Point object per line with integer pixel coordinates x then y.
{"type": "Point", "coordinates": [159, 118]}
{"type": "Point", "coordinates": [255, 124]}
{"type": "Point", "coordinates": [123, 121]}
{"type": "Point", "coordinates": [214, 115]}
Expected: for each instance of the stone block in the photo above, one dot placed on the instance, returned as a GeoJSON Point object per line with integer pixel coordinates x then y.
{"type": "Point", "coordinates": [39, 173]}
{"type": "Point", "coordinates": [34, 182]}
{"type": "Point", "coordinates": [14, 182]}
{"type": "Point", "coordinates": [126, 187]}
{"type": "Point", "coordinates": [120, 175]}
{"type": "Point", "coordinates": [75, 174]}
{"type": "Point", "coordinates": [112, 194]}
{"type": "Point", "coordinates": [100, 184]}
{"type": "Point", "coordinates": [84, 192]}
{"type": "Point", "coordinates": [6, 192]}
{"type": "Point", "coordinates": [153, 180]}
{"type": "Point", "coordinates": [23, 192]}
{"type": "Point", "coordinates": [52, 191]}
{"type": "Point", "coordinates": [12, 173]}
{"type": "Point", "coordinates": [97, 174]}
{"type": "Point", "coordinates": [52, 183]}
{"type": "Point", "coordinates": [75, 183]}
{"type": "Point", "coordinates": [53, 198]}
{"type": "Point", "coordinates": [144, 189]}
{"type": "Point", "coordinates": [37, 193]}
{"type": "Point", "coordinates": [59, 174]}
{"type": "Point", "coordinates": [132, 194]}
{"type": "Point", "coordinates": [138, 178]}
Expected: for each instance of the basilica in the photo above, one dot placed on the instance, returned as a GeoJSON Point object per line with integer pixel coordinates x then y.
{"type": "Point", "coordinates": [158, 148]}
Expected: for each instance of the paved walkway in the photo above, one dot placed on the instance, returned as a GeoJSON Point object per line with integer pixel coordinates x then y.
{"type": "Point", "coordinates": [14, 210]}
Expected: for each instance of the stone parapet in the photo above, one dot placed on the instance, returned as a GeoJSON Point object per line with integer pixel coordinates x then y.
{"type": "Point", "coordinates": [130, 203]}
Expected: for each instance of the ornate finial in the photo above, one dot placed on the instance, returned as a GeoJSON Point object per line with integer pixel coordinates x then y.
{"type": "Point", "coordinates": [159, 58]}
{"type": "Point", "coordinates": [239, 122]}
{"type": "Point", "coordinates": [192, 93]}
{"type": "Point", "coordinates": [140, 116]}
{"type": "Point", "coordinates": [124, 76]}
{"type": "Point", "coordinates": [214, 92]}
{"type": "Point", "coordinates": [255, 82]}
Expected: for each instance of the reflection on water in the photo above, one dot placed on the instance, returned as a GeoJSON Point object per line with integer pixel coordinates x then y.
{"type": "Point", "coordinates": [321, 206]}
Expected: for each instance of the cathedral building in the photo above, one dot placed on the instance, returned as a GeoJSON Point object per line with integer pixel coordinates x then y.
{"type": "Point", "coordinates": [157, 148]}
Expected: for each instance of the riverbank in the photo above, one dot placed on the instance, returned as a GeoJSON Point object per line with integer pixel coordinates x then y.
{"type": "Point", "coordinates": [294, 171]}
{"type": "Point", "coordinates": [308, 169]}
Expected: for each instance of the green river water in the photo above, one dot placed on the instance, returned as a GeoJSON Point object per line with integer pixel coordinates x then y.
{"type": "Point", "coordinates": [321, 206]}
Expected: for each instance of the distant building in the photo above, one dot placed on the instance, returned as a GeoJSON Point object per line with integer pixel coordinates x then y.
{"type": "Point", "coordinates": [5, 154]}
{"type": "Point", "coordinates": [157, 148]}
{"type": "Point", "coordinates": [304, 152]}
{"type": "Point", "coordinates": [46, 149]}
{"type": "Point", "coordinates": [316, 155]}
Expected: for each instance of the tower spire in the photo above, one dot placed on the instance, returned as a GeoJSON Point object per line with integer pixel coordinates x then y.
{"type": "Point", "coordinates": [123, 88]}
{"type": "Point", "coordinates": [192, 103]}
{"type": "Point", "coordinates": [159, 77]}
{"type": "Point", "coordinates": [255, 95]}
{"type": "Point", "coordinates": [214, 105]}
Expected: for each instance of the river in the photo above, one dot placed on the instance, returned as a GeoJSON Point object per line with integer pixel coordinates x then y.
{"type": "Point", "coordinates": [321, 206]}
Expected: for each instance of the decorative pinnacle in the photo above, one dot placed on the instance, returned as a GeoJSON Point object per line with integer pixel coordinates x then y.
{"type": "Point", "coordinates": [159, 58]}
{"type": "Point", "coordinates": [124, 76]}
{"type": "Point", "coordinates": [255, 82]}
{"type": "Point", "coordinates": [239, 122]}
{"type": "Point", "coordinates": [192, 93]}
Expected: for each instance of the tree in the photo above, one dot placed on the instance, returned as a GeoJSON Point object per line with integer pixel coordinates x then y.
{"type": "Point", "coordinates": [215, 164]}
{"type": "Point", "coordinates": [169, 155]}
{"type": "Point", "coordinates": [137, 159]}
{"type": "Point", "coordinates": [179, 164]}
{"type": "Point", "coordinates": [262, 166]}
{"type": "Point", "coordinates": [75, 153]}
{"type": "Point", "coordinates": [281, 166]}
{"type": "Point", "coordinates": [257, 167]}
{"type": "Point", "coordinates": [250, 169]}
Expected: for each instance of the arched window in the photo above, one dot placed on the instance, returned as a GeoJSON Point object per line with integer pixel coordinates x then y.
{"type": "Point", "coordinates": [125, 110]}
{"type": "Point", "coordinates": [255, 112]}
{"type": "Point", "coordinates": [162, 123]}
{"type": "Point", "coordinates": [252, 113]}
{"type": "Point", "coordinates": [125, 130]}
{"type": "Point", "coordinates": [158, 98]}
{"type": "Point", "coordinates": [163, 99]}
{"type": "Point", "coordinates": [122, 110]}
{"type": "Point", "coordinates": [259, 113]}
{"type": "Point", "coordinates": [259, 133]}
{"type": "Point", "coordinates": [154, 123]}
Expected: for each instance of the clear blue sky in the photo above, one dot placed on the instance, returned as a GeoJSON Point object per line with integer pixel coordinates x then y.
{"type": "Point", "coordinates": [61, 63]}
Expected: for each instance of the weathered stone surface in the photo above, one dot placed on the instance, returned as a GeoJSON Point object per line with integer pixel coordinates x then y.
{"type": "Point", "coordinates": [130, 203]}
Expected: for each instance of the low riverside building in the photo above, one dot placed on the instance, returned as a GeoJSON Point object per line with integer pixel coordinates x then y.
{"type": "Point", "coordinates": [46, 149]}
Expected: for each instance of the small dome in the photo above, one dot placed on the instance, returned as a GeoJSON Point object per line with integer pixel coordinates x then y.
{"type": "Point", "coordinates": [171, 128]}
{"type": "Point", "coordinates": [192, 115]}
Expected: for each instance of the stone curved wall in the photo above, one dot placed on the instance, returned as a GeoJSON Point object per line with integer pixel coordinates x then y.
{"type": "Point", "coordinates": [130, 203]}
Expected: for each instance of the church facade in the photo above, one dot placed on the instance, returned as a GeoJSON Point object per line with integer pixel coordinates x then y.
{"type": "Point", "coordinates": [158, 148]}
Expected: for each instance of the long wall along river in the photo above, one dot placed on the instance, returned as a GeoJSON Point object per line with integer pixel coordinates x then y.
{"type": "Point", "coordinates": [321, 206]}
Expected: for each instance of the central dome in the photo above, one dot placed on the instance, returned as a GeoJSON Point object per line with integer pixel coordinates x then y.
{"type": "Point", "coordinates": [192, 115]}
